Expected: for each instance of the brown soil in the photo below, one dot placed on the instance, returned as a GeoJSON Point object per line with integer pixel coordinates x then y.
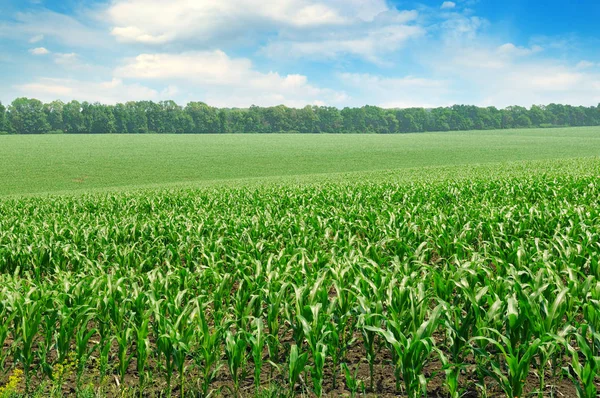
{"type": "Point", "coordinates": [384, 380]}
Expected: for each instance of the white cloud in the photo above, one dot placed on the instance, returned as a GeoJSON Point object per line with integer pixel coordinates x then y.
{"type": "Point", "coordinates": [151, 22]}
{"type": "Point", "coordinates": [393, 92]}
{"type": "Point", "coordinates": [36, 38]}
{"type": "Point", "coordinates": [298, 28]}
{"type": "Point", "coordinates": [135, 34]}
{"type": "Point", "coordinates": [369, 41]}
{"type": "Point", "coordinates": [66, 58]}
{"type": "Point", "coordinates": [585, 65]}
{"type": "Point", "coordinates": [39, 51]}
{"type": "Point", "coordinates": [69, 30]}
{"type": "Point", "coordinates": [446, 5]}
{"type": "Point", "coordinates": [225, 81]}
{"type": "Point", "coordinates": [542, 83]}
{"type": "Point", "coordinates": [460, 27]}
{"type": "Point", "coordinates": [488, 74]}
{"type": "Point", "coordinates": [509, 49]}
{"type": "Point", "coordinates": [108, 92]}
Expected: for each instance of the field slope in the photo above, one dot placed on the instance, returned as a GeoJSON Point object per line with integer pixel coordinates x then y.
{"type": "Point", "coordinates": [59, 163]}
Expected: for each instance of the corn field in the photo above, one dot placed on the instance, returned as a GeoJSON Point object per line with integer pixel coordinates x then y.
{"type": "Point", "coordinates": [480, 288]}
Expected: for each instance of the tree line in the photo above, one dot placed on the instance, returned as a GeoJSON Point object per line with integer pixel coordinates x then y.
{"type": "Point", "coordinates": [31, 116]}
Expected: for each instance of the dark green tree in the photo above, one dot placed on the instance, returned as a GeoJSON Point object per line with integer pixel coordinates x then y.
{"type": "Point", "coordinates": [98, 118]}
{"type": "Point", "coordinates": [54, 115]}
{"type": "Point", "coordinates": [537, 115]}
{"type": "Point", "coordinates": [73, 120]}
{"type": "Point", "coordinates": [205, 119]}
{"type": "Point", "coordinates": [26, 116]}
{"type": "Point", "coordinates": [354, 120]}
{"type": "Point", "coordinates": [330, 119]}
{"type": "Point", "coordinates": [3, 118]}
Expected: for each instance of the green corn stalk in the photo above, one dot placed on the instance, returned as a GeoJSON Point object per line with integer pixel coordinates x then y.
{"type": "Point", "coordinates": [518, 357]}
{"type": "Point", "coordinates": [124, 337]}
{"type": "Point", "coordinates": [549, 323]}
{"type": "Point", "coordinates": [411, 353]}
{"type": "Point", "coordinates": [369, 321]}
{"type": "Point", "coordinates": [352, 382]}
{"type": "Point", "coordinates": [27, 324]}
{"type": "Point", "coordinates": [49, 322]}
{"type": "Point", "coordinates": [585, 362]}
{"type": "Point", "coordinates": [297, 364]}
{"type": "Point", "coordinates": [340, 328]}
{"type": "Point", "coordinates": [452, 371]}
{"type": "Point", "coordinates": [82, 344]}
{"type": "Point", "coordinates": [164, 347]}
{"type": "Point", "coordinates": [257, 342]}
{"type": "Point", "coordinates": [319, 355]}
{"type": "Point", "coordinates": [275, 301]}
{"type": "Point", "coordinates": [209, 349]}
{"type": "Point", "coordinates": [104, 347]}
{"type": "Point", "coordinates": [235, 351]}
{"type": "Point", "coordinates": [316, 335]}
{"type": "Point", "coordinates": [142, 332]}
{"type": "Point", "coordinates": [6, 319]}
{"type": "Point", "coordinates": [183, 339]}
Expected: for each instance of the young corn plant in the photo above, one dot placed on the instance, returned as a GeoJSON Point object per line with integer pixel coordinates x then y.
{"type": "Point", "coordinates": [452, 371]}
{"type": "Point", "coordinates": [142, 344]}
{"type": "Point", "coordinates": [29, 309]}
{"type": "Point", "coordinates": [182, 335]}
{"type": "Point", "coordinates": [411, 352]}
{"type": "Point", "coordinates": [584, 369]}
{"type": "Point", "coordinates": [296, 366]}
{"type": "Point", "coordinates": [517, 357]}
{"type": "Point", "coordinates": [340, 328]}
{"type": "Point", "coordinates": [274, 307]}
{"type": "Point", "coordinates": [124, 338]}
{"type": "Point", "coordinates": [353, 383]}
{"type": "Point", "coordinates": [550, 323]}
{"type": "Point", "coordinates": [208, 354]}
{"type": "Point", "coordinates": [82, 344]}
{"type": "Point", "coordinates": [6, 319]}
{"type": "Point", "coordinates": [67, 325]}
{"type": "Point", "coordinates": [369, 321]}
{"type": "Point", "coordinates": [257, 342]}
{"type": "Point", "coordinates": [316, 335]}
{"type": "Point", "coordinates": [235, 351]}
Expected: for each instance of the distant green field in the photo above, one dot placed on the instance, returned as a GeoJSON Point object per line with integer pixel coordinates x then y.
{"type": "Point", "coordinates": [59, 163]}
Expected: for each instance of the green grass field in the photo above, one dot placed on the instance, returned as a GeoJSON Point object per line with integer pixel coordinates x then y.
{"type": "Point", "coordinates": [60, 163]}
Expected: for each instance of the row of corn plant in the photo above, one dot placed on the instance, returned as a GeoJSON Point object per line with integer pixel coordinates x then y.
{"type": "Point", "coordinates": [376, 288]}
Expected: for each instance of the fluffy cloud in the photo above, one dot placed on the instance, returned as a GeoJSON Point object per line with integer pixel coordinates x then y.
{"type": "Point", "coordinates": [385, 35]}
{"type": "Point", "coordinates": [150, 22]}
{"type": "Point", "coordinates": [487, 74]}
{"type": "Point", "coordinates": [441, 55]}
{"type": "Point", "coordinates": [297, 28]}
{"type": "Point", "coordinates": [226, 81]}
{"type": "Point", "coordinates": [109, 92]}
{"type": "Point", "coordinates": [39, 51]}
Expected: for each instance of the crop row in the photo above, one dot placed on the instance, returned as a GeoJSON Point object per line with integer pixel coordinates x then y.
{"type": "Point", "coordinates": [486, 286]}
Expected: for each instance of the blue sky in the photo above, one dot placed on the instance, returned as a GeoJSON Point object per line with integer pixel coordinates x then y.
{"type": "Point", "coordinates": [297, 52]}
